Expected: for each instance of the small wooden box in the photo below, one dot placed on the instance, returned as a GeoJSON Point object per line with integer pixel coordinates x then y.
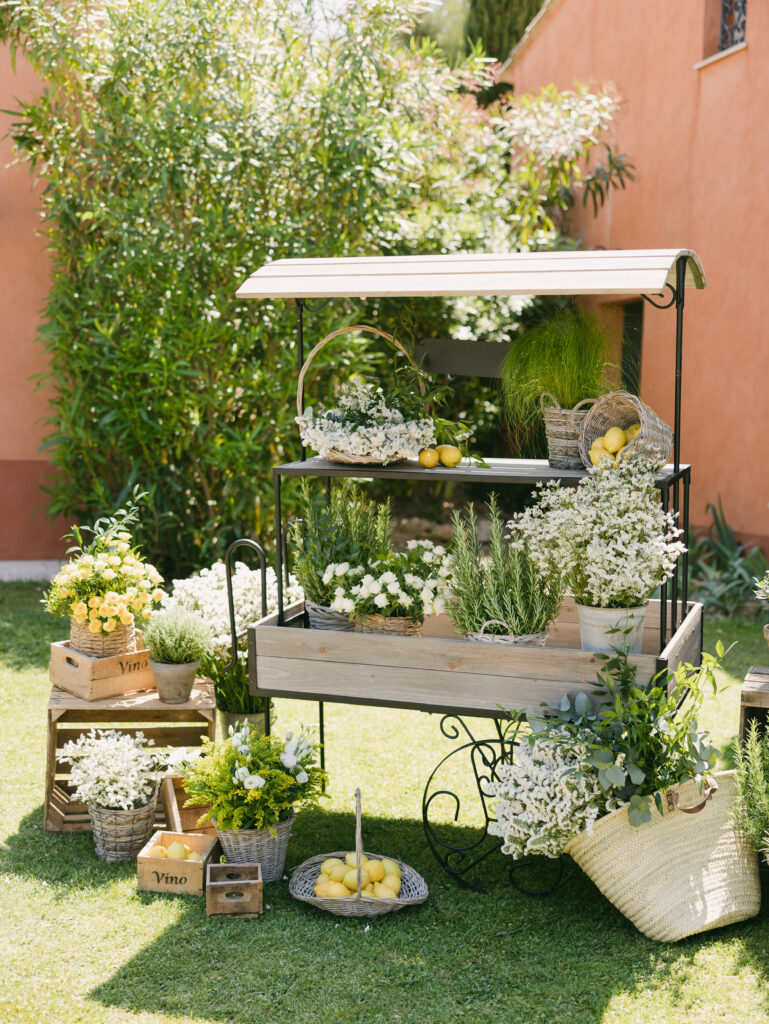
{"type": "Point", "coordinates": [178, 817]}
{"type": "Point", "coordinates": [234, 890]}
{"type": "Point", "coordinates": [158, 874]}
{"type": "Point", "coordinates": [99, 678]}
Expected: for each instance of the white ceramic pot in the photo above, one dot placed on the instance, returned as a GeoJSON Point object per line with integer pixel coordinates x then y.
{"type": "Point", "coordinates": [174, 682]}
{"type": "Point", "coordinates": [596, 625]}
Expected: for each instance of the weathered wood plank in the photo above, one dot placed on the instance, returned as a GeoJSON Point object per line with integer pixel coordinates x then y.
{"type": "Point", "coordinates": [685, 644]}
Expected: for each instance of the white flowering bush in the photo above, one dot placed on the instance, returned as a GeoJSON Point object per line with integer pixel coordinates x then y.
{"type": "Point", "coordinates": [112, 769]}
{"type": "Point", "coordinates": [547, 795]}
{"type": "Point", "coordinates": [610, 537]}
{"type": "Point", "coordinates": [412, 583]}
{"type": "Point", "coordinates": [762, 587]}
{"type": "Point", "coordinates": [363, 424]}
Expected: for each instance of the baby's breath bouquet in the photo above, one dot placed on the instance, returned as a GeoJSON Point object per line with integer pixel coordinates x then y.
{"type": "Point", "coordinates": [111, 769]}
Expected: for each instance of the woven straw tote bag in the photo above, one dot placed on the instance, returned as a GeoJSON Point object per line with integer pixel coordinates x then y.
{"type": "Point", "coordinates": [686, 871]}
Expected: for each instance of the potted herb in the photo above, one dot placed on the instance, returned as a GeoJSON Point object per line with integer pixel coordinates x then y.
{"type": "Point", "coordinates": [117, 778]}
{"type": "Point", "coordinates": [551, 370]}
{"type": "Point", "coordinates": [751, 811]}
{"type": "Point", "coordinates": [613, 543]}
{"type": "Point", "coordinates": [253, 784]}
{"type": "Point", "coordinates": [504, 597]}
{"type": "Point", "coordinates": [176, 640]}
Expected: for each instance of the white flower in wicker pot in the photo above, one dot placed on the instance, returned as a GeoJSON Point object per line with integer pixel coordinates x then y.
{"type": "Point", "coordinates": [613, 543]}
{"type": "Point", "coordinates": [117, 778]}
{"type": "Point", "coordinates": [254, 783]}
{"type": "Point", "coordinates": [176, 640]}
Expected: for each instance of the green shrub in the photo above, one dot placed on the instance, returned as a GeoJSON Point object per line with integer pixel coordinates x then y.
{"type": "Point", "coordinates": [751, 808]}
{"type": "Point", "coordinates": [176, 637]}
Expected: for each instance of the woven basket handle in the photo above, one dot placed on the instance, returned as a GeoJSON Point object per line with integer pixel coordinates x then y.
{"type": "Point", "coordinates": [335, 334]}
{"type": "Point", "coordinates": [711, 787]}
{"type": "Point", "coordinates": [358, 840]}
{"type": "Point", "coordinates": [493, 622]}
{"type": "Point", "coordinates": [575, 410]}
{"type": "Point", "coordinates": [553, 399]}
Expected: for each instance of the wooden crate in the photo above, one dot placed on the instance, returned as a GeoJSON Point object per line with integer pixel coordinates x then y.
{"type": "Point", "coordinates": [441, 671]}
{"type": "Point", "coordinates": [754, 698]}
{"type": "Point", "coordinates": [158, 874]}
{"type": "Point", "coordinates": [178, 817]}
{"type": "Point", "coordinates": [169, 725]}
{"type": "Point", "coordinates": [99, 678]}
{"type": "Point", "coordinates": [234, 890]}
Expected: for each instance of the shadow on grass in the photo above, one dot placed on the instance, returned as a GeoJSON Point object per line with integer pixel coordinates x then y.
{"type": "Point", "coordinates": [478, 958]}
{"type": "Point", "coordinates": [27, 628]}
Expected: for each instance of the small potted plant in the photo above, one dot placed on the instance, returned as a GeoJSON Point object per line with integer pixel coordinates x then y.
{"type": "Point", "coordinates": [762, 593]}
{"type": "Point", "coordinates": [117, 777]}
{"type": "Point", "coordinates": [254, 783]}
{"type": "Point", "coordinates": [613, 542]}
{"type": "Point", "coordinates": [504, 597]}
{"type": "Point", "coordinates": [176, 640]}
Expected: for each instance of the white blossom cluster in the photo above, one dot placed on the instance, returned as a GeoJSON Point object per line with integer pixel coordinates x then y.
{"type": "Point", "coordinates": [296, 751]}
{"type": "Point", "coordinates": [414, 583]}
{"type": "Point", "coordinates": [558, 126]}
{"type": "Point", "coordinates": [111, 769]}
{"type": "Point", "coordinates": [547, 795]}
{"type": "Point", "coordinates": [206, 593]}
{"type": "Point", "coordinates": [610, 537]}
{"type": "Point", "coordinates": [363, 425]}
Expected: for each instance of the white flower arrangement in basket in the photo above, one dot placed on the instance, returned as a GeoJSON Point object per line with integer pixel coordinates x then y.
{"type": "Point", "coordinates": [112, 769]}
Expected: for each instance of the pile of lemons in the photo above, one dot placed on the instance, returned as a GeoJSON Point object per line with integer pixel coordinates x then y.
{"type": "Point", "coordinates": [338, 879]}
{"type": "Point", "coordinates": [174, 851]}
{"type": "Point", "coordinates": [609, 448]}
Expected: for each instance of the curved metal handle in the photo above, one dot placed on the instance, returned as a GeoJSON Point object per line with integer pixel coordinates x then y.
{"type": "Point", "coordinates": [711, 787]}
{"type": "Point", "coordinates": [257, 547]}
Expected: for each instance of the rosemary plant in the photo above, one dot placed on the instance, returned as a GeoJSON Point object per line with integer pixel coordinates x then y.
{"type": "Point", "coordinates": [751, 809]}
{"type": "Point", "coordinates": [505, 585]}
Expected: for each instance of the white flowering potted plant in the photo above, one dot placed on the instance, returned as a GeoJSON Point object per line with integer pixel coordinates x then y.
{"type": "Point", "coordinates": [177, 640]}
{"type": "Point", "coordinates": [117, 777]}
{"type": "Point", "coordinates": [613, 543]}
{"type": "Point", "coordinates": [206, 593]}
{"type": "Point", "coordinates": [254, 783]}
{"type": "Point", "coordinates": [106, 589]}
{"type": "Point", "coordinates": [396, 591]}
{"type": "Point", "coordinates": [762, 593]}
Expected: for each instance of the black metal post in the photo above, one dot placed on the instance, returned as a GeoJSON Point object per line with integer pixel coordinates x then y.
{"type": "Point", "coordinates": [300, 358]}
{"type": "Point", "coordinates": [680, 293]}
{"type": "Point", "coordinates": [685, 559]}
{"type": "Point", "coordinates": [278, 546]}
{"type": "Point", "coordinates": [664, 588]}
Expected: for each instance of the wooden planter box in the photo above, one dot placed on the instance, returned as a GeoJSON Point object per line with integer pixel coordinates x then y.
{"type": "Point", "coordinates": [234, 890]}
{"type": "Point", "coordinates": [441, 671]}
{"type": "Point", "coordinates": [99, 678]}
{"type": "Point", "coordinates": [178, 817]}
{"type": "Point", "coordinates": [158, 874]}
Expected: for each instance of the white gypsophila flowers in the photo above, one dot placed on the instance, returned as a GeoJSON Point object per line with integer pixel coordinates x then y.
{"type": "Point", "coordinates": [111, 769]}
{"type": "Point", "coordinates": [547, 795]}
{"type": "Point", "coordinates": [206, 593]}
{"type": "Point", "coordinates": [363, 425]}
{"type": "Point", "coordinates": [610, 537]}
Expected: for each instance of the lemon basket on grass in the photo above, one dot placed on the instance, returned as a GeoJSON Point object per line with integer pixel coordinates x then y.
{"type": "Point", "coordinates": [357, 884]}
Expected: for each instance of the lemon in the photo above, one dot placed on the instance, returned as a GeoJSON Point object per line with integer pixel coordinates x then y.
{"type": "Point", "coordinates": [193, 855]}
{"type": "Point", "coordinates": [390, 867]}
{"type": "Point", "coordinates": [376, 871]}
{"type": "Point", "coordinates": [351, 860]}
{"type": "Point", "coordinates": [598, 445]}
{"type": "Point", "coordinates": [336, 890]}
{"type": "Point", "coordinates": [383, 892]}
{"type": "Point", "coordinates": [393, 882]}
{"type": "Point", "coordinates": [449, 455]}
{"type": "Point", "coordinates": [350, 880]}
{"type": "Point", "coordinates": [599, 457]}
{"type": "Point", "coordinates": [177, 851]}
{"type": "Point", "coordinates": [428, 458]}
{"type": "Point", "coordinates": [157, 851]}
{"type": "Point", "coordinates": [329, 863]}
{"type": "Point", "coordinates": [614, 439]}
{"type": "Point", "coordinates": [632, 431]}
{"type": "Point", "coordinates": [337, 872]}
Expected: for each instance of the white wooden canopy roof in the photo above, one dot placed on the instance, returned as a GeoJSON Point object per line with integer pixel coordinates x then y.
{"type": "Point", "coordinates": [593, 272]}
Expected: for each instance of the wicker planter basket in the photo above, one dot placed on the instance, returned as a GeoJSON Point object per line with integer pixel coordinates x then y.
{"type": "Point", "coordinates": [302, 885]}
{"type": "Point", "coordinates": [120, 835]}
{"type": "Point", "coordinates": [620, 409]}
{"type": "Point", "coordinates": [325, 618]}
{"type": "Point", "coordinates": [249, 846]}
{"type": "Point", "coordinates": [334, 455]}
{"type": "Point", "coordinates": [392, 625]}
{"type": "Point", "coordinates": [524, 640]}
{"type": "Point", "coordinates": [562, 429]}
{"type": "Point", "coordinates": [122, 640]}
{"type": "Point", "coordinates": [681, 873]}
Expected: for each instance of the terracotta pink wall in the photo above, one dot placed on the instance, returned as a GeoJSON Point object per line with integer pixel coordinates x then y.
{"type": "Point", "coordinates": [24, 533]}
{"type": "Point", "coordinates": [700, 141]}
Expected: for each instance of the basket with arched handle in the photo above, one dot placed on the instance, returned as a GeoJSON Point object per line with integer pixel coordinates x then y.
{"type": "Point", "coordinates": [302, 885]}
{"type": "Point", "coordinates": [334, 455]}
{"type": "Point", "coordinates": [620, 409]}
{"type": "Point", "coordinates": [562, 429]}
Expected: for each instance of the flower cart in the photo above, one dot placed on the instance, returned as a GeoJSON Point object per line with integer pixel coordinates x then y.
{"type": "Point", "coordinates": [439, 671]}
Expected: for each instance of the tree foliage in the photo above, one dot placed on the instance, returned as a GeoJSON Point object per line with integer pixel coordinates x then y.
{"type": "Point", "coordinates": [186, 142]}
{"type": "Point", "coordinates": [499, 24]}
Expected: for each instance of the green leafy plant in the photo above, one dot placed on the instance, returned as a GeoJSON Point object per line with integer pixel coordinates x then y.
{"type": "Point", "coordinates": [505, 586]}
{"type": "Point", "coordinates": [565, 354]}
{"type": "Point", "coordinates": [722, 571]}
{"type": "Point", "coordinates": [177, 637]}
{"type": "Point", "coordinates": [751, 808]}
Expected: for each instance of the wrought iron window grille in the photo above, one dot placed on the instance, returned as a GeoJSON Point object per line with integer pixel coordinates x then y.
{"type": "Point", "coordinates": [733, 16]}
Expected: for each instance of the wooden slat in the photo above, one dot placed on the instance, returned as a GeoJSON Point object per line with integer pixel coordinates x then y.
{"type": "Point", "coordinates": [179, 736]}
{"type": "Point", "coordinates": [755, 689]}
{"type": "Point", "coordinates": [685, 645]}
{"type": "Point", "coordinates": [201, 699]}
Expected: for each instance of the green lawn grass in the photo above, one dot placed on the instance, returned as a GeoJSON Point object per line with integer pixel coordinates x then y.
{"type": "Point", "coordinates": [79, 944]}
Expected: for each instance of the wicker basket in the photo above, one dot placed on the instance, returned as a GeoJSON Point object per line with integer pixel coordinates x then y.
{"type": "Point", "coordinates": [249, 846]}
{"type": "Point", "coordinates": [620, 409]}
{"type": "Point", "coordinates": [302, 885]}
{"type": "Point", "coordinates": [681, 873]}
{"type": "Point", "coordinates": [523, 640]}
{"type": "Point", "coordinates": [122, 640]}
{"type": "Point", "coordinates": [562, 428]}
{"type": "Point", "coordinates": [390, 625]}
{"type": "Point", "coordinates": [334, 455]}
{"type": "Point", "coordinates": [120, 835]}
{"type": "Point", "coordinates": [325, 618]}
